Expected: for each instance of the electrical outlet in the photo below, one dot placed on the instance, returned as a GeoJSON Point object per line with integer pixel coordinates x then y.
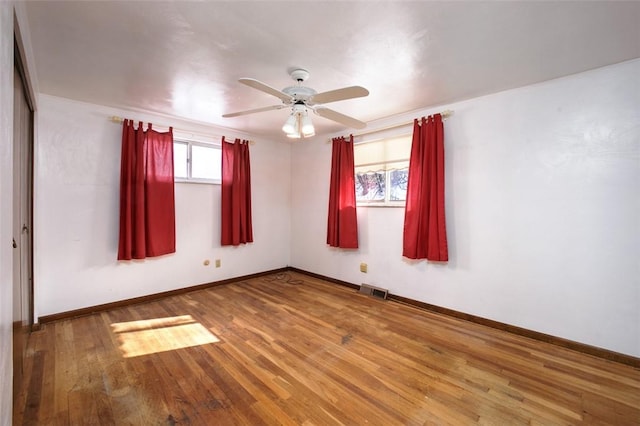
{"type": "Point", "coordinates": [218, 263]}
{"type": "Point", "coordinates": [363, 267]}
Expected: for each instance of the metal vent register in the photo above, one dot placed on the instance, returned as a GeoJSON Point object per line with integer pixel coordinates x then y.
{"type": "Point", "coordinates": [380, 293]}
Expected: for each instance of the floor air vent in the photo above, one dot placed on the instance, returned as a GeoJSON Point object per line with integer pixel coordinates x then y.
{"type": "Point", "coordinates": [380, 293]}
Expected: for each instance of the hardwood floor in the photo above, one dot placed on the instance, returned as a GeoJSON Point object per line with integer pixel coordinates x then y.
{"type": "Point", "coordinates": [294, 350]}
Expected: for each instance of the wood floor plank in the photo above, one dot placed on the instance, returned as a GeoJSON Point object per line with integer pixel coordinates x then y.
{"type": "Point", "coordinates": [289, 349]}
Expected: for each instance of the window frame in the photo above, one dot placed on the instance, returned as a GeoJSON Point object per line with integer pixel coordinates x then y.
{"type": "Point", "coordinates": [386, 166]}
{"type": "Point", "coordinates": [190, 143]}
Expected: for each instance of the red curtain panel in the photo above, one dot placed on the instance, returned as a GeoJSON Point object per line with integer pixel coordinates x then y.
{"type": "Point", "coordinates": [147, 200]}
{"type": "Point", "coordinates": [425, 233]}
{"type": "Point", "coordinates": [342, 223]}
{"type": "Point", "coordinates": [236, 224]}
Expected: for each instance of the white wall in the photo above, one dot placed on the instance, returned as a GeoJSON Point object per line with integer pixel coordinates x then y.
{"type": "Point", "coordinates": [543, 212]}
{"type": "Point", "coordinates": [76, 219]}
{"type": "Point", "coordinates": [6, 211]}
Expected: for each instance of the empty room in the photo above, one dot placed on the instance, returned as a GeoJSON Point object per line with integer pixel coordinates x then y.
{"type": "Point", "coordinates": [319, 213]}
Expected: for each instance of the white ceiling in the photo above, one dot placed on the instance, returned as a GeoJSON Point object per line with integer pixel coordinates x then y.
{"type": "Point", "coordinates": [184, 58]}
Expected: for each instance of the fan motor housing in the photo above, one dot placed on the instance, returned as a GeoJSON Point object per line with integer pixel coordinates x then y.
{"type": "Point", "coordinates": [299, 93]}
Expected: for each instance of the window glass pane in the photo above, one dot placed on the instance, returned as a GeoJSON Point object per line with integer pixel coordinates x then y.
{"type": "Point", "coordinates": [398, 182]}
{"type": "Point", "coordinates": [180, 160]}
{"type": "Point", "coordinates": [370, 186]}
{"type": "Point", "coordinates": [381, 168]}
{"type": "Point", "coordinates": [205, 162]}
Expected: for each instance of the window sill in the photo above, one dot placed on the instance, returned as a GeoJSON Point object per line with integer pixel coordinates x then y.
{"type": "Point", "coordinates": [387, 205]}
{"type": "Point", "coordinates": [201, 181]}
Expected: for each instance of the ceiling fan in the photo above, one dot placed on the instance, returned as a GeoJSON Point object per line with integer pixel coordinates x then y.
{"type": "Point", "coordinates": [301, 99]}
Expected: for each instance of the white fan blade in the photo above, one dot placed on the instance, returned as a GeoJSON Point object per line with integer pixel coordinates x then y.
{"type": "Point", "coordinates": [266, 89]}
{"type": "Point", "coordinates": [339, 95]}
{"type": "Point", "coordinates": [251, 111]}
{"type": "Point", "coordinates": [340, 118]}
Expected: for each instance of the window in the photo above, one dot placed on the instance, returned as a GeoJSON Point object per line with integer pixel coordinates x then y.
{"type": "Point", "coordinates": [196, 162]}
{"type": "Point", "coordinates": [382, 170]}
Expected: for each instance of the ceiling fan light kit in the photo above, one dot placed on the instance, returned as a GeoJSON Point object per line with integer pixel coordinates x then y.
{"type": "Point", "coordinates": [299, 123]}
{"type": "Point", "coordinates": [301, 99]}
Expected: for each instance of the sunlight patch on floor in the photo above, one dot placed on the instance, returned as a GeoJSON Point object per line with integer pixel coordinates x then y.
{"type": "Point", "coordinates": [144, 337]}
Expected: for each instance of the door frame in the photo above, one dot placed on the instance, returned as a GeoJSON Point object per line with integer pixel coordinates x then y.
{"type": "Point", "coordinates": [23, 144]}
{"type": "Point", "coordinates": [27, 162]}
